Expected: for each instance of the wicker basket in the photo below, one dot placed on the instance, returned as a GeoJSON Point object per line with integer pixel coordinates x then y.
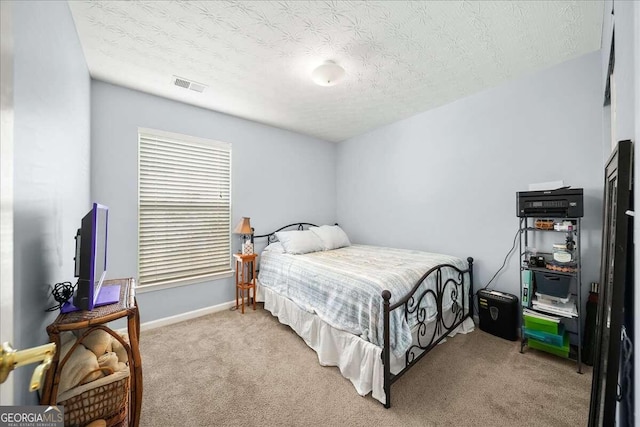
{"type": "Point", "coordinates": [105, 398]}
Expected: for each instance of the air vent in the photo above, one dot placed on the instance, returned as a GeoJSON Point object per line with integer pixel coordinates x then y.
{"type": "Point", "coordinates": [187, 84]}
{"type": "Point", "coordinates": [197, 87]}
{"type": "Point", "coordinates": [182, 83]}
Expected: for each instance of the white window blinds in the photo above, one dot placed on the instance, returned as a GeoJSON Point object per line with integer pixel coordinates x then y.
{"type": "Point", "coordinates": [184, 197]}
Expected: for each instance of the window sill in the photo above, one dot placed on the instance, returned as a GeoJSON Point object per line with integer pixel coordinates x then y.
{"type": "Point", "coordinates": [186, 282]}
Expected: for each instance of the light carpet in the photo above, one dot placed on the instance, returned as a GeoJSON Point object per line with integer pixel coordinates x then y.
{"type": "Point", "coordinates": [228, 369]}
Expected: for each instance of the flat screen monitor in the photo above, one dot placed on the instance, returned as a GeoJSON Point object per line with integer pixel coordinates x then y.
{"type": "Point", "coordinates": [91, 262]}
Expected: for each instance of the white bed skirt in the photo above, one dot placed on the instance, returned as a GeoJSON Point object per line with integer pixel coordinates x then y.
{"type": "Point", "coordinates": [358, 360]}
{"type": "Point", "coordinates": [259, 293]}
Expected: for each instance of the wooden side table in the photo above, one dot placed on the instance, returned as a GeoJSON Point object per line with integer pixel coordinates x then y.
{"type": "Point", "coordinates": [245, 277]}
{"type": "Point", "coordinates": [96, 319]}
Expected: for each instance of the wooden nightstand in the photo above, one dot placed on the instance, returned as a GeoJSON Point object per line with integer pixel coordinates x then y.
{"type": "Point", "coordinates": [245, 277]}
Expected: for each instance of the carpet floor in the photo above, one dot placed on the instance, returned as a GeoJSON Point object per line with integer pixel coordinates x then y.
{"type": "Point", "coordinates": [229, 369]}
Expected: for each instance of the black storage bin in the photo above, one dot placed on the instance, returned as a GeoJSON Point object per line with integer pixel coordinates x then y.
{"type": "Point", "coordinates": [551, 284]}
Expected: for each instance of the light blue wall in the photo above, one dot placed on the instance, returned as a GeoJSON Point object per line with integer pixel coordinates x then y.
{"type": "Point", "coordinates": [51, 164]}
{"type": "Point", "coordinates": [278, 177]}
{"type": "Point", "coordinates": [445, 180]}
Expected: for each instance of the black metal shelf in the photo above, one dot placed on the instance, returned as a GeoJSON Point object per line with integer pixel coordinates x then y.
{"type": "Point", "coordinates": [527, 233]}
{"type": "Point", "coordinates": [563, 218]}
{"type": "Point", "coordinates": [551, 230]}
{"type": "Point", "coordinates": [546, 270]}
{"type": "Point", "coordinates": [573, 350]}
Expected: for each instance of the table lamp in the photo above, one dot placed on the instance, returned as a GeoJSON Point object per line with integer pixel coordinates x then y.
{"type": "Point", "coordinates": [244, 228]}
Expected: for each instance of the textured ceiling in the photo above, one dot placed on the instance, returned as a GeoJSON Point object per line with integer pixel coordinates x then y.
{"type": "Point", "coordinates": [401, 58]}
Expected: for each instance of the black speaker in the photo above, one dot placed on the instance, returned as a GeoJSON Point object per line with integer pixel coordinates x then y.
{"type": "Point", "coordinates": [498, 313]}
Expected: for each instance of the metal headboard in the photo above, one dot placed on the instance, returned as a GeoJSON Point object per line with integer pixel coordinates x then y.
{"type": "Point", "coordinates": [271, 237]}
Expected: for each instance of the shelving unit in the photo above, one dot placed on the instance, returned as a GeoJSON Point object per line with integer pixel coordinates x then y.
{"type": "Point", "coordinates": [572, 322]}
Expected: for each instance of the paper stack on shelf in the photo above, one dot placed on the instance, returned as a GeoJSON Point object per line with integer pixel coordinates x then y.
{"type": "Point", "coordinates": [532, 313]}
{"type": "Point", "coordinates": [567, 309]}
{"type": "Point", "coordinates": [551, 299]}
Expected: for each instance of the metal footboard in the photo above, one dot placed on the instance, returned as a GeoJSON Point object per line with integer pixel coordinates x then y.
{"type": "Point", "coordinates": [412, 305]}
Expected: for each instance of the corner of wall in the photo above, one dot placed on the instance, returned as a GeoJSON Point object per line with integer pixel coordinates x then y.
{"type": "Point", "coordinates": [51, 165]}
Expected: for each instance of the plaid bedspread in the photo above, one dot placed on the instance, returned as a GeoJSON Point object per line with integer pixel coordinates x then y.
{"type": "Point", "coordinates": [344, 286]}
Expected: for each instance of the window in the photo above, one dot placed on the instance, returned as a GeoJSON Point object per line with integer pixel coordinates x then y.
{"type": "Point", "coordinates": [184, 208]}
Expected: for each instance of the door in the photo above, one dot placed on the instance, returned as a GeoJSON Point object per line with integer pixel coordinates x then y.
{"type": "Point", "coordinates": [6, 187]}
{"type": "Point", "coordinates": [614, 280]}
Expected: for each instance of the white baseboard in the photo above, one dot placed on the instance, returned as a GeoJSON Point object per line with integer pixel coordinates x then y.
{"type": "Point", "coordinates": [165, 321]}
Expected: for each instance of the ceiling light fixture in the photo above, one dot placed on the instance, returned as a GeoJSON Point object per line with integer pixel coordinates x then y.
{"type": "Point", "coordinates": [328, 74]}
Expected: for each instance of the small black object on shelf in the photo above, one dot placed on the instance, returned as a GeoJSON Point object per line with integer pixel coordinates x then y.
{"type": "Point", "coordinates": [61, 292]}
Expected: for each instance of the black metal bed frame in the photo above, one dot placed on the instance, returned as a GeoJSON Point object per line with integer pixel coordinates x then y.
{"type": "Point", "coordinates": [271, 237]}
{"type": "Point", "coordinates": [411, 304]}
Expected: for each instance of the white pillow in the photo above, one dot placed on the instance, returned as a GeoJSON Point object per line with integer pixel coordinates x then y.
{"type": "Point", "coordinates": [274, 247]}
{"type": "Point", "coordinates": [299, 242]}
{"type": "Point", "coordinates": [332, 236]}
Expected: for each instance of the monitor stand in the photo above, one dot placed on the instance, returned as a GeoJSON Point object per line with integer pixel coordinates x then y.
{"type": "Point", "coordinates": [107, 295]}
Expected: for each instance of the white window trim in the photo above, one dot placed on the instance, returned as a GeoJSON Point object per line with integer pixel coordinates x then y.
{"type": "Point", "coordinates": [199, 279]}
{"type": "Point", "coordinates": [178, 137]}
{"type": "Point", "coordinates": [179, 283]}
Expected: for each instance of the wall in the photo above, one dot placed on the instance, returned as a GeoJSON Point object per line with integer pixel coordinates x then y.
{"type": "Point", "coordinates": [6, 187]}
{"type": "Point", "coordinates": [445, 180]}
{"type": "Point", "coordinates": [51, 164]}
{"type": "Point", "coordinates": [278, 177]}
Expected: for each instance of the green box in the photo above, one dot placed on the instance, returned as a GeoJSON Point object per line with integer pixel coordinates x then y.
{"type": "Point", "coordinates": [553, 339]}
{"type": "Point", "coordinates": [562, 351]}
{"type": "Point", "coordinates": [542, 325]}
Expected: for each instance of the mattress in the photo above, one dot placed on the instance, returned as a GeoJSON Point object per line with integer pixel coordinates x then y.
{"type": "Point", "coordinates": [343, 287]}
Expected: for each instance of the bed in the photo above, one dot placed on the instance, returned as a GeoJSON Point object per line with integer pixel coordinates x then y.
{"type": "Point", "coordinates": [373, 312]}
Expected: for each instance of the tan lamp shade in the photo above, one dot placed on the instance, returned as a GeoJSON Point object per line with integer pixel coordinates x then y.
{"type": "Point", "coordinates": [243, 227]}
